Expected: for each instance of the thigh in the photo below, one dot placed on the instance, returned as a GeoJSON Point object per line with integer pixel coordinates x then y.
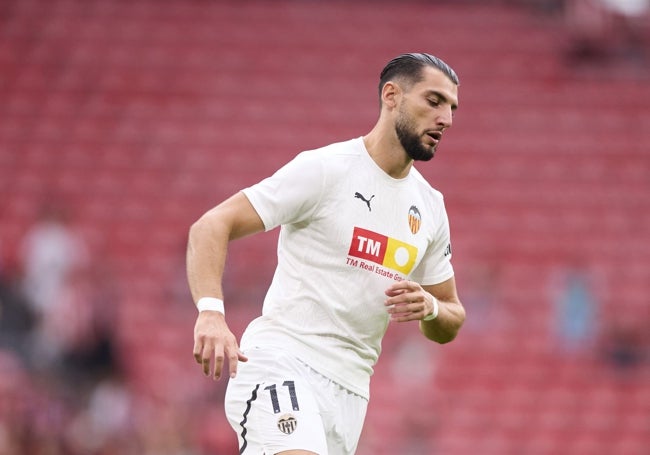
{"type": "Point", "coordinates": [343, 413]}
{"type": "Point", "coordinates": [273, 408]}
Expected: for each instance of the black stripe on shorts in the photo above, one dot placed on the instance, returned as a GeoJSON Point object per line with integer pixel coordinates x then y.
{"type": "Point", "coordinates": [245, 419]}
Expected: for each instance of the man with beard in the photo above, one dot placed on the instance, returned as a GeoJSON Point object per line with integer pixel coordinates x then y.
{"type": "Point", "coordinates": [364, 240]}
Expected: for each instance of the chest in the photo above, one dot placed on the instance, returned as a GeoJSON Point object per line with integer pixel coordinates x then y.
{"type": "Point", "coordinates": [382, 228]}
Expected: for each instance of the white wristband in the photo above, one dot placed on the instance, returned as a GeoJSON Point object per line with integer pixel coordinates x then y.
{"type": "Point", "coordinates": [210, 304]}
{"type": "Point", "coordinates": [434, 314]}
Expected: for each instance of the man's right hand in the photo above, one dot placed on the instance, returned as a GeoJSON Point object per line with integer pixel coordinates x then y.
{"type": "Point", "coordinates": [213, 340]}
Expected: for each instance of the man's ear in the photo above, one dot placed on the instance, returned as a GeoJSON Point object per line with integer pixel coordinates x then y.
{"type": "Point", "coordinates": [390, 94]}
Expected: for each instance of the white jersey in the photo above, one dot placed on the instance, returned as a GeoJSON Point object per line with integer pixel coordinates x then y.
{"type": "Point", "coordinates": [348, 230]}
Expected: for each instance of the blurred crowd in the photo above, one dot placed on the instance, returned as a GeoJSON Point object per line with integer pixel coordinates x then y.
{"type": "Point", "coordinates": [63, 388]}
{"type": "Point", "coordinates": [608, 30]}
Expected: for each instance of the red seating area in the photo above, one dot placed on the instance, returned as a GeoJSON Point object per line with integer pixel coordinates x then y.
{"type": "Point", "coordinates": [141, 115]}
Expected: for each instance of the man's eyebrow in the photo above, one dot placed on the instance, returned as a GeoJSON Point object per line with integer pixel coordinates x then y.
{"type": "Point", "coordinates": [443, 98]}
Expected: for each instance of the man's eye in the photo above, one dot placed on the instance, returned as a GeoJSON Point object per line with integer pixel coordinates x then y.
{"type": "Point", "coordinates": [434, 103]}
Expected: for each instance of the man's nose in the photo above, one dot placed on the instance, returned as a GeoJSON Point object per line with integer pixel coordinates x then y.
{"type": "Point", "coordinates": [446, 118]}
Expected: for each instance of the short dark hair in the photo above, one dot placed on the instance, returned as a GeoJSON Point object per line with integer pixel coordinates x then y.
{"type": "Point", "coordinates": [409, 67]}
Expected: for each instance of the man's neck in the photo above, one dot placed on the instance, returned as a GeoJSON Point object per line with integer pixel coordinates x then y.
{"type": "Point", "coordinates": [388, 153]}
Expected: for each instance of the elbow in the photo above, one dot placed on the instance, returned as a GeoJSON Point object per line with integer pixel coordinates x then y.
{"type": "Point", "coordinates": [205, 225]}
{"type": "Point", "coordinates": [440, 336]}
{"type": "Point", "coordinates": [196, 227]}
{"type": "Point", "coordinates": [452, 332]}
{"type": "Point", "coordinates": [448, 332]}
{"type": "Point", "coordinates": [200, 231]}
{"type": "Point", "coordinates": [447, 337]}
{"type": "Point", "coordinates": [194, 230]}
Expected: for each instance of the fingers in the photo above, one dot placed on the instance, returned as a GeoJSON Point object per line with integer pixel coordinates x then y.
{"type": "Point", "coordinates": [404, 292]}
{"type": "Point", "coordinates": [205, 353]}
{"type": "Point", "coordinates": [199, 348]}
{"type": "Point", "coordinates": [402, 287]}
{"type": "Point", "coordinates": [234, 356]}
{"type": "Point", "coordinates": [405, 312]}
{"type": "Point", "coordinates": [406, 301]}
{"type": "Point", "coordinates": [214, 345]}
{"type": "Point", "coordinates": [233, 361]}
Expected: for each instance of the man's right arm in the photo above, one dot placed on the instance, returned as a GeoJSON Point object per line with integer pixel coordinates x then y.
{"type": "Point", "coordinates": [206, 256]}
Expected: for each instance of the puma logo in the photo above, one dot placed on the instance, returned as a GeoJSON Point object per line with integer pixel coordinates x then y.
{"type": "Point", "coordinates": [367, 201]}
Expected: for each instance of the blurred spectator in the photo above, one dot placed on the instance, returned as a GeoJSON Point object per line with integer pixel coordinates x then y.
{"type": "Point", "coordinates": [89, 350]}
{"type": "Point", "coordinates": [51, 253]}
{"type": "Point", "coordinates": [16, 318]}
{"type": "Point", "coordinates": [605, 29]}
{"type": "Point", "coordinates": [576, 309]}
{"type": "Point", "coordinates": [625, 342]}
{"type": "Point", "coordinates": [52, 257]}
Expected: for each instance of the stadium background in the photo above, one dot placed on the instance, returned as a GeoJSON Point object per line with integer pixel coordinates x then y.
{"type": "Point", "coordinates": [137, 116]}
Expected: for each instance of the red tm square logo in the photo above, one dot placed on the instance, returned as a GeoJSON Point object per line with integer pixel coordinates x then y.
{"type": "Point", "coordinates": [368, 245]}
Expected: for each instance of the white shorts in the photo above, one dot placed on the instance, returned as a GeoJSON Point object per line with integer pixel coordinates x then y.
{"type": "Point", "coordinates": [278, 403]}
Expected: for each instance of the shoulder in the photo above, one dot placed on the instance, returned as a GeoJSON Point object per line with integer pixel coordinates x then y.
{"type": "Point", "coordinates": [334, 152]}
{"type": "Point", "coordinates": [333, 159]}
{"type": "Point", "coordinates": [319, 167]}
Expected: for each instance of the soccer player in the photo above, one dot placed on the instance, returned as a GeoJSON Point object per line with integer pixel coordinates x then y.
{"type": "Point", "coordinates": [364, 240]}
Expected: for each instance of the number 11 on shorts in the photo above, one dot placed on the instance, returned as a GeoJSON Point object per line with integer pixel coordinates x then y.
{"type": "Point", "coordinates": [274, 396]}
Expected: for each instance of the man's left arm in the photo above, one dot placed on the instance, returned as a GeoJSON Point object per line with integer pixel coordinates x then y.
{"type": "Point", "coordinates": [409, 301]}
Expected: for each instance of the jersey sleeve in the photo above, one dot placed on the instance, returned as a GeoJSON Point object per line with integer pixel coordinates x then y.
{"type": "Point", "coordinates": [291, 194]}
{"type": "Point", "coordinates": [436, 266]}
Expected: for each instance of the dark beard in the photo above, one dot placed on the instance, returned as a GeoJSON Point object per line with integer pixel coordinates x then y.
{"type": "Point", "coordinates": [411, 142]}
